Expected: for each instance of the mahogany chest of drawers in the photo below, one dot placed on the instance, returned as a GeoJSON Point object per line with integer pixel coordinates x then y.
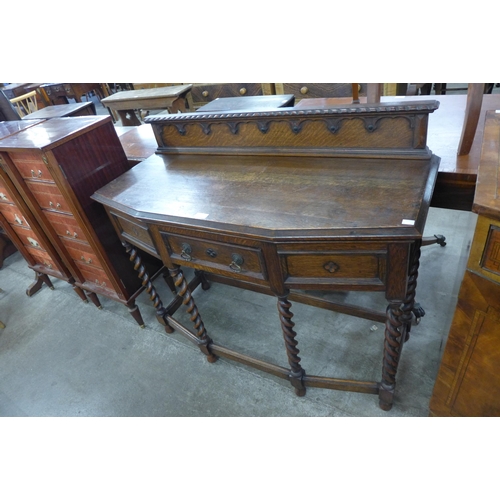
{"type": "Point", "coordinates": [55, 166]}
{"type": "Point", "coordinates": [21, 227]}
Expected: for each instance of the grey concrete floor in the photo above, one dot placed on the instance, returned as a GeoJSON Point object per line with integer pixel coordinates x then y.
{"type": "Point", "coordinates": [62, 357]}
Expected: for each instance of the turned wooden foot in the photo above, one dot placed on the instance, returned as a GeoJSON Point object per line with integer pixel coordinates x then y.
{"type": "Point", "coordinates": [95, 299]}
{"type": "Point", "coordinates": [136, 314]}
{"type": "Point", "coordinates": [80, 293]}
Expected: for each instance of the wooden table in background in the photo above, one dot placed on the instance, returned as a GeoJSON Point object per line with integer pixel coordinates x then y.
{"type": "Point", "coordinates": [125, 103]}
{"type": "Point", "coordinates": [63, 110]}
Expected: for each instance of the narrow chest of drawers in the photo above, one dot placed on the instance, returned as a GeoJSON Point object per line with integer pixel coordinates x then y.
{"type": "Point", "coordinates": [55, 168]}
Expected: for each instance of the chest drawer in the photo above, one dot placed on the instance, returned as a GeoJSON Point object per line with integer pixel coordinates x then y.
{"type": "Point", "coordinates": [42, 258]}
{"type": "Point", "coordinates": [315, 90]}
{"type": "Point", "coordinates": [339, 265]}
{"type": "Point", "coordinates": [95, 276]}
{"type": "Point", "coordinates": [13, 215]}
{"type": "Point", "coordinates": [28, 237]}
{"type": "Point", "coordinates": [31, 165]}
{"type": "Point", "coordinates": [216, 257]}
{"type": "Point", "coordinates": [201, 93]}
{"type": "Point", "coordinates": [81, 252]}
{"type": "Point", "coordinates": [48, 196]}
{"type": "Point", "coordinates": [64, 225]}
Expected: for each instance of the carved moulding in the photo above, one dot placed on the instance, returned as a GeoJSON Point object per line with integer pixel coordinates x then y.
{"type": "Point", "coordinates": [388, 128]}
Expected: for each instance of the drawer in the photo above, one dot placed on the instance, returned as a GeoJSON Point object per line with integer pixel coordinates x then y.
{"type": "Point", "coordinates": [13, 215]}
{"type": "Point", "coordinates": [64, 225]}
{"type": "Point", "coordinates": [490, 260]}
{"type": "Point", "coordinates": [135, 233]}
{"type": "Point", "coordinates": [28, 237]}
{"type": "Point", "coordinates": [206, 92]}
{"type": "Point", "coordinates": [215, 256]}
{"type": "Point", "coordinates": [31, 165]}
{"type": "Point", "coordinates": [335, 267]}
{"type": "Point", "coordinates": [94, 276]}
{"type": "Point", "coordinates": [4, 193]}
{"type": "Point", "coordinates": [48, 196]}
{"type": "Point", "coordinates": [81, 251]}
{"type": "Point", "coordinates": [315, 90]}
{"type": "Point", "coordinates": [42, 258]}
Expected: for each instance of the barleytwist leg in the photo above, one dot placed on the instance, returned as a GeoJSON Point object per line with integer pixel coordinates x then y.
{"type": "Point", "coordinates": [296, 373]}
{"type": "Point", "coordinates": [395, 332]}
{"type": "Point", "coordinates": [148, 284]}
{"type": "Point", "coordinates": [409, 305]}
{"type": "Point", "coordinates": [188, 301]}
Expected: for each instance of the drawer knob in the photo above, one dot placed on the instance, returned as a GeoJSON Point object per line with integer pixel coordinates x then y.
{"type": "Point", "coordinates": [205, 93]}
{"type": "Point", "coordinates": [237, 262]}
{"type": "Point", "coordinates": [186, 252]}
{"type": "Point", "coordinates": [304, 90]}
{"type": "Point", "coordinates": [243, 91]}
{"type": "Point", "coordinates": [331, 267]}
{"type": "Point", "coordinates": [211, 253]}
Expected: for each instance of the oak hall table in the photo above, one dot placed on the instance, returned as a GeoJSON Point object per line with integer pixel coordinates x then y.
{"type": "Point", "coordinates": [283, 202]}
{"type": "Point", "coordinates": [125, 103]}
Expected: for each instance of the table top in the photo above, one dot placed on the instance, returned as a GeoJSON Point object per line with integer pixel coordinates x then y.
{"type": "Point", "coordinates": [50, 132]}
{"type": "Point", "coordinates": [279, 197]}
{"type": "Point", "coordinates": [487, 196]}
{"type": "Point", "coordinates": [59, 110]}
{"type": "Point", "coordinates": [13, 127]}
{"type": "Point", "coordinates": [138, 142]}
{"type": "Point", "coordinates": [248, 103]}
{"type": "Point", "coordinates": [153, 93]}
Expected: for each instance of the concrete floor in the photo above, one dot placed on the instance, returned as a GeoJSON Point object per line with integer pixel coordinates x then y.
{"type": "Point", "coordinates": [62, 357]}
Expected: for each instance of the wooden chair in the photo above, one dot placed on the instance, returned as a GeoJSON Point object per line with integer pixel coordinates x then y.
{"type": "Point", "coordinates": [26, 103]}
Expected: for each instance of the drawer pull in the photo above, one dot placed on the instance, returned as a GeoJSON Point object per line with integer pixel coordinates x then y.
{"type": "Point", "coordinates": [243, 91]}
{"type": "Point", "coordinates": [331, 267]}
{"type": "Point", "coordinates": [69, 234]}
{"type": "Point", "coordinates": [33, 242]}
{"type": "Point", "coordinates": [89, 261]}
{"type": "Point", "coordinates": [186, 252]}
{"type": "Point", "coordinates": [304, 90]}
{"type": "Point", "coordinates": [17, 219]}
{"type": "Point", "coordinates": [236, 263]}
{"type": "Point", "coordinates": [3, 197]}
{"type": "Point", "coordinates": [211, 253]}
{"type": "Point", "coordinates": [35, 176]}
